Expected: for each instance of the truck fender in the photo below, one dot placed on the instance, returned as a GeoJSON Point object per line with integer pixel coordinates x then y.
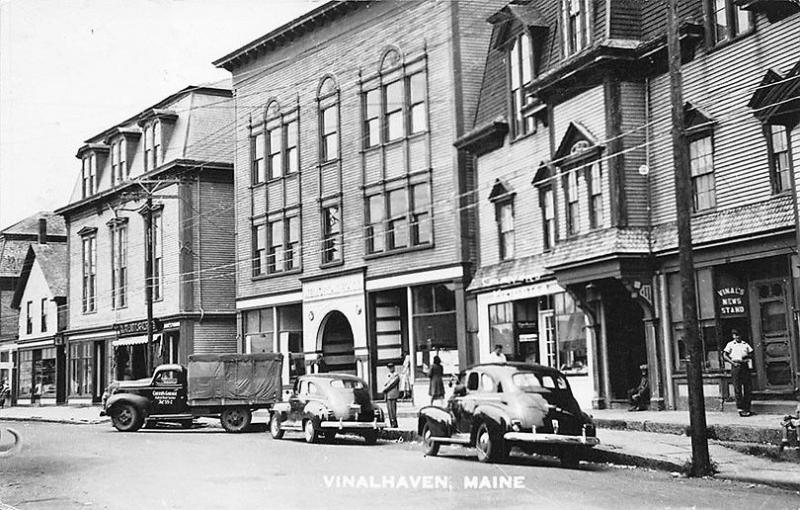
{"type": "Point", "coordinates": [139, 401]}
{"type": "Point", "coordinates": [441, 421]}
{"type": "Point", "coordinates": [493, 415]}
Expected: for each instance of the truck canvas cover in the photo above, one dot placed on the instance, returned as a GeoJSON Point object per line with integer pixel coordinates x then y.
{"type": "Point", "coordinates": [225, 378]}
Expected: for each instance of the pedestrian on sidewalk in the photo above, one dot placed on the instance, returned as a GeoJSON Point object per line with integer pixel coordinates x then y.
{"type": "Point", "coordinates": [3, 393]}
{"type": "Point", "coordinates": [639, 397]}
{"type": "Point", "coordinates": [436, 374]}
{"type": "Point", "coordinates": [391, 391]}
{"type": "Point", "coordinates": [738, 353]}
{"type": "Point", "coordinates": [497, 356]}
{"type": "Point", "coordinates": [405, 378]}
{"type": "Point", "coordinates": [36, 395]}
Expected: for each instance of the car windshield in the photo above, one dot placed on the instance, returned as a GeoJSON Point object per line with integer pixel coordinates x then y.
{"type": "Point", "coordinates": [529, 381]}
{"type": "Point", "coordinates": [349, 384]}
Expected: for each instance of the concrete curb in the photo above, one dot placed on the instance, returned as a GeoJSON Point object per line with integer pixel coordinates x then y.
{"type": "Point", "coordinates": [730, 433]}
{"type": "Point", "coordinates": [606, 454]}
{"type": "Point", "coordinates": [779, 484]}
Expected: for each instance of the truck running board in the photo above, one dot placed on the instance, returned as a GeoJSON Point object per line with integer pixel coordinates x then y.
{"type": "Point", "coordinates": [170, 417]}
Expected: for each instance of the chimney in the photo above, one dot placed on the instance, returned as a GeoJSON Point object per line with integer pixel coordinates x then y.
{"type": "Point", "coordinates": [42, 230]}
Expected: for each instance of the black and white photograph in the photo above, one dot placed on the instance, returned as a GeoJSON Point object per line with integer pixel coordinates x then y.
{"type": "Point", "coordinates": [395, 254]}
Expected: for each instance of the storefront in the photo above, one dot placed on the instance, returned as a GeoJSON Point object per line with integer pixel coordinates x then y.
{"type": "Point", "coordinates": [753, 296]}
{"type": "Point", "coordinates": [7, 373]}
{"type": "Point", "coordinates": [276, 329]}
{"type": "Point", "coordinates": [39, 364]}
{"type": "Point", "coordinates": [537, 323]}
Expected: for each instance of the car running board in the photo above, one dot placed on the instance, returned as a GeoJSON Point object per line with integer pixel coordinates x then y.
{"type": "Point", "coordinates": [298, 428]}
{"type": "Point", "coordinates": [456, 439]}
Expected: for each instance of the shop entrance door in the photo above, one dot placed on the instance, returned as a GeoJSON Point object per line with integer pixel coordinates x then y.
{"type": "Point", "coordinates": [337, 345]}
{"type": "Point", "coordinates": [769, 303]}
{"type": "Point", "coordinates": [98, 385]}
{"type": "Point", "coordinates": [547, 339]}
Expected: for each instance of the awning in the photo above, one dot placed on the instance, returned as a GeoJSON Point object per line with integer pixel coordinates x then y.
{"type": "Point", "coordinates": [135, 340]}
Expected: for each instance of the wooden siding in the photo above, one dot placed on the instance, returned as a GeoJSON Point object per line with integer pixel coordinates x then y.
{"type": "Point", "coordinates": [347, 50]}
{"type": "Point", "coordinates": [654, 16]}
{"type": "Point", "coordinates": [720, 84]}
{"type": "Point", "coordinates": [633, 138]}
{"type": "Point", "coordinates": [215, 257]}
{"type": "Point", "coordinates": [626, 19]}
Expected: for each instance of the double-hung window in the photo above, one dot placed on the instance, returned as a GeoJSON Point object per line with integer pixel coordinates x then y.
{"type": "Point", "coordinates": [259, 164]}
{"type": "Point", "coordinates": [291, 151]}
{"type": "Point", "coordinates": [43, 315]}
{"type": "Point", "coordinates": [372, 118]}
{"type": "Point", "coordinates": [728, 20]}
{"type": "Point", "coordinates": [328, 104]}
{"type": "Point", "coordinates": [417, 110]}
{"type": "Point", "coordinates": [576, 25]}
{"type": "Point", "coordinates": [157, 246]}
{"type": "Point", "coordinates": [89, 283]}
{"type": "Point", "coordinates": [701, 163]}
{"type": "Point", "coordinates": [521, 70]}
{"type": "Point", "coordinates": [375, 231]}
{"type": "Point", "coordinates": [152, 146]}
{"type": "Point", "coordinates": [119, 166]}
{"type": "Point", "coordinates": [29, 317]}
{"type": "Point", "coordinates": [119, 276]}
{"type": "Point", "coordinates": [595, 185]}
{"type": "Point", "coordinates": [275, 152]}
{"type": "Point", "coordinates": [89, 175]}
{"type": "Point", "coordinates": [505, 228]}
{"type": "Point", "coordinates": [276, 245]}
{"type": "Point", "coordinates": [274, 146]}
{"type": "Point", "coordinates": [259, 249]}
{"type": "Point", "coordinates": [398, 219]}
{"type": "Point", "coordinates": [331, 234]}
{"type": "Point", "coordinates": [421, 218]}
{"type": "Point", "coordinates": [548, 207]}
{"type": "Point", "coordinates": [573, 205]}
{"type": "Point", "coordinates": [393, 100]}
{"type": "Point", "coordinates": [780, 157]}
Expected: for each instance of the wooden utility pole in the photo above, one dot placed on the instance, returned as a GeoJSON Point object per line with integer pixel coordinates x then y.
{"type": "Point", "coordinates": [701, 462]}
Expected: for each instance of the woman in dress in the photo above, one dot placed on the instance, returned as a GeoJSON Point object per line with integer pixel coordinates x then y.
{"type": "Point", "coordinates": [405, 378]}
{"type": "Point", "coordinates": [436, 373]}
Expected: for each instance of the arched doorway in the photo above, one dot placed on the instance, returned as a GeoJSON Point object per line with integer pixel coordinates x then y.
{"type": "Point", "coordinates": [626, 341]}
{"type": "Point", "coordinates": [336, 342]}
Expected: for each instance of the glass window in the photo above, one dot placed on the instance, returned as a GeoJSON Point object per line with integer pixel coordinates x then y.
{"type": "Point", "coordinates": [158, 156]}
{"type": "Point", "coordinates": [158, 256]}
{"type": "Point", "coordinates": [548, 218]}
{"type": "Point", "coordinates": [571, 194]}
{"type": "Point", "coordinates": [701, 159]}
{"type": "Point", "coordinates": [372, 122]}
{"type": "Point", "coordinates": [275, 160]}
{"type": "Point", "coordinates": [521, 69]}
{"type": "Point", "coordinates": [276, 252]}
{"type": "Point", "coordinates": [418, 115]}
{"type": "Point", "coordinates": [332, 230]}
{"type": "Point", "coordinates": [119, 256]}
{"type": "Point", "coordinates": [293, 243]}
{"type": "Point", "coordinates": [728, 20]}
{"type": "Point", "coordinates": [398, 219]}
{"type": "Point", "coordinates": [505, 228]}
{"type": "Point", "coordinates": [259, 249]}
{"type": "Point", "coordinates": [330, 133]}
{"type": "Point", "coordinates": [292, 153]}
{"type": "Point", "coordinates": [576, 28]}
{"type": "Point", "coordinates": [596, 195]}
{"type": "Point", "coordinates": [434, 315]}
{"type": "Point", "coordinates": [259, 163]}
{"type": "Point", "coordinates": [394, 110]}
{"type": "Point", "coordinates": [375, 229]}
{"type": "Point", "coordinates": [501, 327]}
{"type": "Point", "coordinates": [423, 230]}
{"type": "Point", "coordinates": [779, 157]}
{"type": "Point", "coordinates": [89, 254]}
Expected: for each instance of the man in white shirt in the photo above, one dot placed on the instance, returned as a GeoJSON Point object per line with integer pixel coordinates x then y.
{"type": "Point", "coordinates": [737, 353]}
{"type": "Point", "coordinates": [497, 356]}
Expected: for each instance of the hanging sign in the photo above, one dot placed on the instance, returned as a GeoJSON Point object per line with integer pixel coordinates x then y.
{"type": "Point", "coordinates": [731, 302]}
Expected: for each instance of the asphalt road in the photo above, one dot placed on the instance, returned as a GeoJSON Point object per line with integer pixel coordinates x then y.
{"type": "Point", "coordinates": [95, 467]}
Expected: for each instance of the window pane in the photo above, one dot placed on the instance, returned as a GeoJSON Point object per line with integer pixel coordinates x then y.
{"type": "Point", "coordinates": [525, 44]}
{"type": "Point", "coordinates": [394, 96]}
{"type": "Point", "coordinates": [515, 66]}
{"type": "Point", "coordinates": [394, 126]}
{"type": "Point", "coordinates": [397, 203]}
{"type": "Point", "coordinates": [417, 86]}
{"type": "Point", "coordinates": [375, 208]}
{"type": "Point", "coordinates": [421, 197]}
{"type": "Point", "coordinates": [423, 299]}
{"type": "Point", "coordinates": [445, 297]}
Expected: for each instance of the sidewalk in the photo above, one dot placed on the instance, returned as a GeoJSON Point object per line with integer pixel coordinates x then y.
{"type": "Point", "coordinates": [654, 440]}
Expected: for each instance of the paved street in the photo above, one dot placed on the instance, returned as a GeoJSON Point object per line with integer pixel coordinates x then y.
{"type": "Point", "coordinates": [93, 466]}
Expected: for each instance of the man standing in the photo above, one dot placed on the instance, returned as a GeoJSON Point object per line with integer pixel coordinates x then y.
{"type": "Point", "coordinates": [391, 392]}
{"type": "Point", "coordinates": [737, 353]}
{"type": "Point", "coordinates": [497, 356]}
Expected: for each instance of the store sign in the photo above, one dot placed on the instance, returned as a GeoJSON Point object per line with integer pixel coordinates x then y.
{"type": "Point", "coordinates": [334, 287]}
{"type": "Point", "coordinates": [533, 337]}
{"type": "Point", "coordinates": [731, 302]}
{"type": "Point", "coordinates": [136, 328]}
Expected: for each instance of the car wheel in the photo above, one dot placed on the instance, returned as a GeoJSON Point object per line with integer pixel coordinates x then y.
{"type": "Point", "coordinates": [127, 418]}
{"type": "Point", "coordinates": [431, 446]}
{"type": "Point", "coordinates": [371, 437]}
{"type": "Point", "coordinates": [275, 426]}
{"type": "Point", "coordinates": [310, 431]}
{"type": "Point", "coordinates": [236, 419]}
{"type": "Point", "coordinates": [490, 447]}
{"type": "Point", "coordinates": [570, 458]}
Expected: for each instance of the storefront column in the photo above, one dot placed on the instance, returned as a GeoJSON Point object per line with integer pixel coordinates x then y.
{"type": "Point", "coordinates": [605, 395]}
{"type": "Point", "coordinates": [412, 344]}
{"type": "Point", "coordinates": [651, 342]}
{"type": "Point", "coordinates": [598, 402]}
{"type": "Point", "coordinates": [666, 341]}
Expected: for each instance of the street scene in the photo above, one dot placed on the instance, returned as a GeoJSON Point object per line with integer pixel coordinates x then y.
{"type": "Point", "coordinates": [395, 253]}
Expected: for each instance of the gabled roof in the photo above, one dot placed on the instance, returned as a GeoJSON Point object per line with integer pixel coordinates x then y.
{"type": "Point", "coordinates": [30, 225]}
{"type": "Point", "coordinates": [52, 259]}
{"type": "Point", "coordinates": [500, 190]}
{"type": "Point", "coordinates": [575, 133]}
{"type": "Point", "coordinates": [777, 98]}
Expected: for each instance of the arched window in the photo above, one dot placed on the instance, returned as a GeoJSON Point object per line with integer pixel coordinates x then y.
{"type": "Point", "coordinates": [391, 59]}
{"type": "Point", "coordinates": [328, 101]}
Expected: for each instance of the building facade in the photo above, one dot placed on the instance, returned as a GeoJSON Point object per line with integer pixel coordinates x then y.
{"type": "Point", "coordinates": [354, 224]}
{"type": "Point", "coordinates": [578, 265]}
{"type": "Point", "coordinates": [154, 198]}
{"type": "Point", "coordinates": [40, 298]}
{"type": "Point", "coordinates": [43, 227]}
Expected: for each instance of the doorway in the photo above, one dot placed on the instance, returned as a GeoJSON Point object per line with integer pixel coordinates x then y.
{"type": "Point", "coordinates": [99, 385]}
{"type": "Point", "coordinates": [338, 351]}
{"type": "Point", "coordinates": [770, 305]}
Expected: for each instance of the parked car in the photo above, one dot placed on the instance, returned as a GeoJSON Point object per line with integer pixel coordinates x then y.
{"type": "Point", "coordinates": [228, 386]}
{"type": "Point", "coordinates": [322, 405]}
{"type": "Point", "coordinates": [495, 407]}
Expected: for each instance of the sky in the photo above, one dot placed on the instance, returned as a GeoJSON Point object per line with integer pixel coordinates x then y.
{"type": "Point", "coordinates": [71, 69]}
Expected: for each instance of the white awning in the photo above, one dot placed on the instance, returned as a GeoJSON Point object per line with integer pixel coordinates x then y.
{"type": "Point", "coordinates": [135, 340]}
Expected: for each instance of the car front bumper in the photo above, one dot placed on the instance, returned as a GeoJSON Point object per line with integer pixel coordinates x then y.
{"type": "Point", "coordinates": [557, 439]}
{"type": "Point", "coordinates": [352, 425]}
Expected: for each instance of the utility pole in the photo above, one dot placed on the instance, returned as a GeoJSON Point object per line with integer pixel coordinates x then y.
{"type": "Point", "coordinates": [701, 462]}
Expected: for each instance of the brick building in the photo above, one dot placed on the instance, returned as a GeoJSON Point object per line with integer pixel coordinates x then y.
{"type": "Point", "coordinates": [578, 262]}
{"type": "Point", "coordinates": [178, 152]}
{"type": "Point", "coordinates": [353, 229]}
{"type": "Point", "coordinates": [42, 227]}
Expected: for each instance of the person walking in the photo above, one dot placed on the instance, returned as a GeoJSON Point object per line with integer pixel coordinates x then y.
{"type": "Point", "coordinates": [738, 353]}
{"type": "Point", "coordinates": [497, 356]}
{"type": "Point", "coordinates": [391, 391]}
{"type": "Point", "coordinates": [405, 378]}
{"type": "Point", "coordinates": [436, 374]}
{"type": "Point", "coordinates": [3, 393]}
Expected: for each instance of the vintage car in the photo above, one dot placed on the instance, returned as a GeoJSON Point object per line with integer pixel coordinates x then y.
{"type": "Point", "coordinates": [322, 405]}
{"type": "Point", "coordinates": [495, 407]}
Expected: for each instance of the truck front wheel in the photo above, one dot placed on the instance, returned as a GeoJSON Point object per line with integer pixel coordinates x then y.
{"type": "Point", "coordinates": [236, 419]}
{"type": "Point", "coordinates": [275, 426]}
{"type": "Point", "coordinates": [127, 418]}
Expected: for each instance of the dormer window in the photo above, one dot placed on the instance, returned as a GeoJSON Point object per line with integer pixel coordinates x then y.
{"type": "Point", "coordinates": [119, 163]}
{"type": "Point", "coordinates": [503, 201]}
{"type": "Point", "coordinates": [89, 175]}
{"type": "Point", "coordinates": [576, 26]}
{"type": "Point", "coordinates": [153, 156]}
{"type": "Point", "coordinates": [521, 69]}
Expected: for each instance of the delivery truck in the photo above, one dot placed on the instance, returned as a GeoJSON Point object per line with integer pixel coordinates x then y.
{"type": "Point", "coordinates": [225, 386]}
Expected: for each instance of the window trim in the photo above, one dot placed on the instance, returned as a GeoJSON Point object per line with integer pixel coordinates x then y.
{"type": "Point", "coordinates": [287, 246]}
{"type": "Point", "coordinates": [43, 315]}
{"type": "Point", "coordinates": [585, 31]}
{"type": "Point", "coordinates": [119, 263]}
{"type": "Point", "coordinates": [29, 318]}
{"type": "Point", "coordinates": [571, 217]}
{"type": "Point", "coordinates": [337, 238]}
{"type": "Point", "coordinates": [696, 136]}
{"type": "Point", "coordinates": [731, 20]}
{"type": "Point", "coordinates": [88, 261]}
{"type": "Point", "coordinates": [520, 113]}
{"type": "Point", "coordinates": [328, 101]}
{"type": "Point", "coordinates": [774, 173]}
{"type": "Point", "coordinates": [157, 272]}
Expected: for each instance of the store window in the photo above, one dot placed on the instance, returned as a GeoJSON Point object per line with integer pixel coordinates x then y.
{"type": "Point", "coordinates": [434, 316]}
{"type": "Point", "coordinates": [259, 331]}
{"type": "Point", "coordinates": [290, 336]}
{"type": "Point", "coordinates": [571, 335]}
{"type": "Point", "coordinates": [80, 369]}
